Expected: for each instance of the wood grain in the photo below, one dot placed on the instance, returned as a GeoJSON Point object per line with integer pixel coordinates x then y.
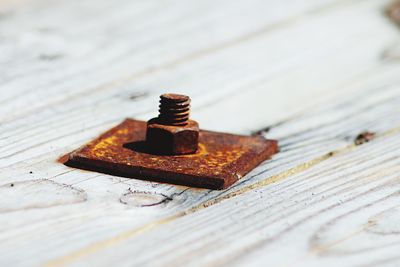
{"type": "Point", "coordinates": [312, 74]}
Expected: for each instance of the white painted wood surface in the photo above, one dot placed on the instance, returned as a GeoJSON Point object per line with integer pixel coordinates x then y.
{"type": "Point", "coordinates": [314, 73]}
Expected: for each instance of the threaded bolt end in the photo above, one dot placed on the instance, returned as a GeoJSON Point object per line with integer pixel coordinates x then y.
{"type": "Point", "coordinates": [174, 109]}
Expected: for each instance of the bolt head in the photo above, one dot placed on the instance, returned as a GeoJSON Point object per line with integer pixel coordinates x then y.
{"type": "Point", "coordinates": [172, 140]}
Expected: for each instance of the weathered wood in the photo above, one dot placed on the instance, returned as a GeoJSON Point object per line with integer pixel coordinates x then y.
{"type": "Point", "coordinates": [316, 73]}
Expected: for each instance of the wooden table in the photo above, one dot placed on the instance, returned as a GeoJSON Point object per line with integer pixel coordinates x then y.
{"type": "Point", "coordinates": [313, 74]}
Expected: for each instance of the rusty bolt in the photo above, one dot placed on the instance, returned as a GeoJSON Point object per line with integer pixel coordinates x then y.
{"type": "Point", "coordinates": [172, 132]}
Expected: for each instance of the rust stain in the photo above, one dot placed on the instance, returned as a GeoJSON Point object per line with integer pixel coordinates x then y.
{"type": "Point", "coordinates": [219, 162]}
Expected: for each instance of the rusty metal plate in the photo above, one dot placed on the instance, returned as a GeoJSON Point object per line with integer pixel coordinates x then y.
{"type": "Point", "coordinates": [220, 161]}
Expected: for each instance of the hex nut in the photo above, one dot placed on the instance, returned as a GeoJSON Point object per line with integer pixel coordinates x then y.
{"type": "Point", "coordinates": [172, 140]}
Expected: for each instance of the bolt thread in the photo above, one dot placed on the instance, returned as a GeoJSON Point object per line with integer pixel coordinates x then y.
{"type": "Point", "coordinates": [174, 109]}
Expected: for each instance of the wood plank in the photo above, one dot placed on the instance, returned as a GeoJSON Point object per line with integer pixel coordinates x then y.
{"type": "Point", "coordinates": [300, 153]}
{"type": "Point", "coordinates": [99, 113]}
{"type": "Point", "coordinates": [101, 219]}
{"type": "Point", "coordinates": [271, 177]}
{"type": "Point", "coordinates": [342, 210]}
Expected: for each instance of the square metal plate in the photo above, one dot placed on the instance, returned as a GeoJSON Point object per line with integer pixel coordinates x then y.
{"type": "Point", "coordinates": [221, 160]}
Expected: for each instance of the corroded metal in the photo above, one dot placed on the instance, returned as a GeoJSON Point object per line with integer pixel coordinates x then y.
{"type": "Point", "coordinates": [171, 148]}
{"type": "Point", "coordinates": [174, 109]}
{"type": "Point", "coordinates": [172, 133]}
{"type": "Point", "coordinates": [221, 159]}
